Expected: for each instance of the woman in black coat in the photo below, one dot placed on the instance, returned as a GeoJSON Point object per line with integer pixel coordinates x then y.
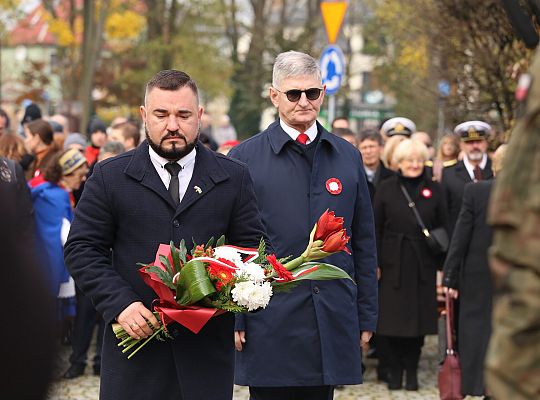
{"type": "Point", "coordinates": [467, 274]}
{"type": "Point", "coordinates": [407, 294]}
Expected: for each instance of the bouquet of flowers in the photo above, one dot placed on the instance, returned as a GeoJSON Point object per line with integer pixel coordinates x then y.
{"type": "Point", "coordinates": [194, 287]}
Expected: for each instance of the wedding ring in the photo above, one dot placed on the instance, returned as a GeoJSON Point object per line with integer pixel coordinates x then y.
{"type": "Point", "coordinates": [133, 325]}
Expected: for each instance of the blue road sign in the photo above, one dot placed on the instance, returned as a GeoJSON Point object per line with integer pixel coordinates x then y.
{"type": "Point", "coordinates": [332, 68]}
{"type": "Point", "coordinates": [444, 88]}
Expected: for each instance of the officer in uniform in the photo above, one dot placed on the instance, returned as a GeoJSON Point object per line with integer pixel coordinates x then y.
{"type": "Point", "coordinates": [397, 126]}
{"type": "Point", "coordinates": [474, 167]}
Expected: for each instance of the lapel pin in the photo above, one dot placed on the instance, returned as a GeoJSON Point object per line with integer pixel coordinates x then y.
{"type": "Point", "coordinates": [197, 189]}
{"type": "Point", "coordinates": [333, 185]}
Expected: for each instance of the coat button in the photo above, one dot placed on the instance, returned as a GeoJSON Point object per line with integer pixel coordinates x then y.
{"type": "Point", "coordinates": [176, 224]}
{"type": "Point", "coordinates": [316, 290]}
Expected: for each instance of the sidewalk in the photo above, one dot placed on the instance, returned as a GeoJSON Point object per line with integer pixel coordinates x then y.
{"type": "Point", "coordinates": [86, 387]}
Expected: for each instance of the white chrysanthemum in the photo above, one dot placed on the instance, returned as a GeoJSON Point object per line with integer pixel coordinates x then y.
{"type": "Point", "coordinates": [228, 253]}
{"type": "Point", "coordinates": [251, 271]}
{"type": "Point", "coordinates": [252, 295]}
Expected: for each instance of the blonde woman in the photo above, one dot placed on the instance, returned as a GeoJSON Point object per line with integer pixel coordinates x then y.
{"type": "Point", "coordinates": [407, 295]}
{"type": "Point", "coordinates": [388, 152]}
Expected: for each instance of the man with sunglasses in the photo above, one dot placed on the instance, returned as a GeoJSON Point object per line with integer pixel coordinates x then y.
{"type": "Point", "coordinates": [308, 341]}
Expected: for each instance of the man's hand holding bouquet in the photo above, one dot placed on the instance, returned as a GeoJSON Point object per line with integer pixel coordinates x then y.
{"type": "Point", "coordinates": [194, 287]}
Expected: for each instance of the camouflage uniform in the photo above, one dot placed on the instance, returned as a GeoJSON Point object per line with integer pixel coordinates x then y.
{"type": "Point", "coordinates": [513, 360]}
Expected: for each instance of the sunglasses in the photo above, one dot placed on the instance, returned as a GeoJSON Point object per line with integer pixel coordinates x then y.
{"type": "Point", "coordinates": [294, 95]}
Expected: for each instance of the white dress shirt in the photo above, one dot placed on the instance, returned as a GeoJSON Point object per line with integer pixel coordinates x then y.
{"type": "Point", "coordinates": [293, 133]}
{"type": "Point", "coordinates": [184, 176]}
{"type": "Point", "coordinates": [470, 167]}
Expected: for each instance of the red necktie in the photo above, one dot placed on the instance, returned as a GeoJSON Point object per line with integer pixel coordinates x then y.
{"type": "Point", "coordinates": [302, 138]}
{"type": "Point", "coordinates": [477, 173]}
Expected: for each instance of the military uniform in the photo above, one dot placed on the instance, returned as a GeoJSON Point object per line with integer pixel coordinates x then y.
{"type": "Point", "coordinates": [513, 360]}
{"type": "Point", "coordinates": [398, 126]}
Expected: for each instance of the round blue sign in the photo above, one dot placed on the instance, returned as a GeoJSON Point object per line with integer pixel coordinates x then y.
{"type": "Point", "coordinates": [332, 68]}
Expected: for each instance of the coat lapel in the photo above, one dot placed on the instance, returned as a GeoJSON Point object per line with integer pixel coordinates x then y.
{"type": "Point", "coordinates": [462, 173]}
{"type": "Point", "coordinates": [206, 174]}
{"type": "Point", "coordinates": [141, 169]}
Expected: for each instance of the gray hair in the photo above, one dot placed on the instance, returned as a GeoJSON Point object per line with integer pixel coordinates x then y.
{"type": "Point", "coordinates": [112, 147]}
{"type": "Point", "coordinates": [409, 147]}
{"type": "Point", "coordinates": [293, 63]}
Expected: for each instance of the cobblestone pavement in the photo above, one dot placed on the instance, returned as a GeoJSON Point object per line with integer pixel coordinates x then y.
{"type": "Point", "coordinates": [86, 387]}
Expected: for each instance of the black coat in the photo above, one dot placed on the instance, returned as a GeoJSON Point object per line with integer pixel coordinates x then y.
{"type": "Point", "coordinates": [126, 207]}
{"type": "Point", "coordinates": [467, 269]}
{"type": "Point", "coordinates": [454, 180]}
{"type": "Point", "coordinates": [381, 174]}
{"type": "Point", "coordinates": [407, 294]}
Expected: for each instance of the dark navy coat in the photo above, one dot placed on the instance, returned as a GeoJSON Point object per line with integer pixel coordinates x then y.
{"type": "Point", "coordinates": [125, 207]}
{"type": "Point", "coordinates": [311, 335]}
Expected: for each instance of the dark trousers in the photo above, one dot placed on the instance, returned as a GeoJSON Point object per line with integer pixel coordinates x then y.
{"type": "Point", "coordinates": [292, 393]}
{"type": "Point", "coordinates": [85, 320]}
{"type": "Point", "coordinates": [398, 353]}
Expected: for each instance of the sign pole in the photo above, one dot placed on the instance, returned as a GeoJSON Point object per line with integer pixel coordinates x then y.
{"type": "Point", "coordinates": [331, 108]}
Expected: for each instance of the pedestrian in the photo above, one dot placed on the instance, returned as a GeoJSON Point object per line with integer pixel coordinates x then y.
{"type": "Point", "coordinates": [467, 275]}
{"type": "Point", "coordinates": [169, 188]}
{"type": "Point", "coordinates": [388, 151]}
{"type": "Point", "coordinates": [447, 154]}
{"type": "Point", "coordinates": [371, 146]}
{"type": "Point", "coordinates": [97, 132]}
{"type": "Point", "coordinates": [474, 166]}
{"type": "Point", "coordinates": [308, 341]}
{"type": "Point", "coordinates": [39, 142]}
{"type": "Point", "coordinates": [127, 133]}
{"type": "Point", "coordinates": [407, 295]}
{"type": "Point", "coordinates": [397, 126]}
{"type": "Point", "coordinates": [53, 209]}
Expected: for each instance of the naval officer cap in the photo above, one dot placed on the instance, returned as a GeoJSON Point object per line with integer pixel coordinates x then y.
{"type": "Point", "coordinates": [398, 126]}
{"type": "Point", "coordinates": [472, 130]}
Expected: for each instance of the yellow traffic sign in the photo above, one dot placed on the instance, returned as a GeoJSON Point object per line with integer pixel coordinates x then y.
{"type": "Point", "coordinates": [333, 13]}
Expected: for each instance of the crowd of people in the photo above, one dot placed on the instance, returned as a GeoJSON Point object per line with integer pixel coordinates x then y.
{"type": "Point", "coordinates": [89, 191]}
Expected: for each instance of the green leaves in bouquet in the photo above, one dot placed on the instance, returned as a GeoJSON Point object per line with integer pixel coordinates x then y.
{"type": "Point", "coordinates": [164, 276]}
{"type": "Point", "coordinates": [261, 258]}
{"type": "Point", "coordinates": [193, 284]}
{"type": "Point", "coordinates": [324, 272]}
{"type": "Point", "coordinates": [182, 251]}
{"type": "Point", "coordinates": [220, 241]}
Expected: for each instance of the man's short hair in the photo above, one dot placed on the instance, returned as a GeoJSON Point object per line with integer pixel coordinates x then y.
{"type": "Point", "coordinates": [340, 118]}
{"type": "Point", "coordinates": [293, 63]}
{"type": "Point", "coordinates": [113, 147]}
{"type": "Point", "coordinates": [371, 134]}
{"type": "Point", "coordinates": [129, 130]}
{"type": "Point", "coordinates": [171, 79]}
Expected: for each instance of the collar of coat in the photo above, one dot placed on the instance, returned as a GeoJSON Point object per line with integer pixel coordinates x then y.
{"type": "Point", "coordinates": [278, 137]}
{"type": "Point", "coordinates": [206, 163]}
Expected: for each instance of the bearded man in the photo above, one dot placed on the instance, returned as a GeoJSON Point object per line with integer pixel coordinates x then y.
{"type": "Point", "coordinates": [171, 187]}
{"type": "Point", "coordinates": [475, 165]}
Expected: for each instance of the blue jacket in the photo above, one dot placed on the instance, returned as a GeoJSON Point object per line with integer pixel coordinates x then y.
{"type": "Point", "coordinates": [126, 207]}
{"type": "Point", "coordinates": [309, 336]}
{"type": "Point", "coordinates": [51, 206]}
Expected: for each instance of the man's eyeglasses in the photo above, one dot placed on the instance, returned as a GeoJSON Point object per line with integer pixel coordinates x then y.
{"type": "Point", "coordinates": [294, 95]}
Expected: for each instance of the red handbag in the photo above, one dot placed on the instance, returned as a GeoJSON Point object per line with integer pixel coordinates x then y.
{"type": "Point", "coordinates": [450, 371]}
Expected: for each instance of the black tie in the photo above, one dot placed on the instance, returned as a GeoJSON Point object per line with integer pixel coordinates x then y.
{"type": "Point", "coordinates": [173, 168]}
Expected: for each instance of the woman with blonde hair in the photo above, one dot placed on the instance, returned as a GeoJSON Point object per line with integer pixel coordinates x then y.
{"type": "Point", "coordinates": [388, 151]}
{"type": "Point", "coordinates": [447, 154]}
{"type": "Point", "coordinates": [407, 285]}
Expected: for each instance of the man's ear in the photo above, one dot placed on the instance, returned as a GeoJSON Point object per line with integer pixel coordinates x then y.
{"type": "Point", "coordinates": [142, 110]}
{"type": "Point", "coordinates": [274, 96]}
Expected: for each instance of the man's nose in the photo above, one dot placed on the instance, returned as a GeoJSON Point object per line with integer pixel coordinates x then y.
{"type": "Point", "coordinates": [303, 99]}
{"type": "Point", "coordinates": [172, 123]}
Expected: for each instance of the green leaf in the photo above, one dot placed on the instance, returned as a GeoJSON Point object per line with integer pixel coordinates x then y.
{"type": "Point", "coordinates": [175, 257]}
{"type": "Point", "coordinates": [209, 243]}
{"type": "Point", "coordinates": [324, 272]}
{"type": "Point", "coordinates": [193, 284]}
{"type": "Point", "coordinates": [165, 261]}
{"type": "Point", "coordinates": [164, 276]}
{"type": "Point", "coordinates": [261, 258]}
{"type": "Point", "coordinates": [182, 251]}
{"type": "Point", "coordinates": [220, 241]}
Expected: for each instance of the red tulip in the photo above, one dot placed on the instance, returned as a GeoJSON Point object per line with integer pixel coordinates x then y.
{"type": "Point", "coordinates": [328, 224]}
{"type": "Point", "coordinates": [336, 242]}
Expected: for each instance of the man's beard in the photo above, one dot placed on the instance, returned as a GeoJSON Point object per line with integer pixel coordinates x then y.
{"type": "Point", "coordinates": [475, 156]}
{"type": "Point", "coordinates": [175, 153]}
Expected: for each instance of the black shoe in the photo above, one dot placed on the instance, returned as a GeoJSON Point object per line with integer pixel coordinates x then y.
{"type": "Point", "coordinates": [74, 371]}
{"type": "Point", "coordinates": [395, 377]}
{"type": "Point", "coordinates": [412, 380]}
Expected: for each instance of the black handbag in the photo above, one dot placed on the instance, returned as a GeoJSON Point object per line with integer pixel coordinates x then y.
{"type": "Point", "coordinates": [437, 238]}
